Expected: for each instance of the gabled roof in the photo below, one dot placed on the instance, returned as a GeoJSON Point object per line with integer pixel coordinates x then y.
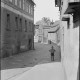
{"type": "Point", "coordinates": [55, 27]}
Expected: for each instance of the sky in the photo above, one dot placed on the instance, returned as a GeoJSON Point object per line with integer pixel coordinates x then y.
{"type": "Point", "coordinates": [45, 8]}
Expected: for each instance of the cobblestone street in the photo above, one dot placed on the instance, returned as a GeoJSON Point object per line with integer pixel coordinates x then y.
{"type": "Point", "coordinates": [20, 63]}
{"type": "Point", "coordinates": [40, 55]}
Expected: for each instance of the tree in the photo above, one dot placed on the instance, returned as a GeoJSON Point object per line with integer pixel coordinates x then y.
{"type": "Point", "coordinates": [46, 20]}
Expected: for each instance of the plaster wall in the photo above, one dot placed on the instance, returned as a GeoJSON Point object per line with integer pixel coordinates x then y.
{"type": "Point", "coordinates": [52, 37]}
{"type": "Point", "coordinates": [70, 49]}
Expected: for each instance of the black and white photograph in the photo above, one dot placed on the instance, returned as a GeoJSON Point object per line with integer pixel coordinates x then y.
{"type": "Point", "coordinates": [39, 39]}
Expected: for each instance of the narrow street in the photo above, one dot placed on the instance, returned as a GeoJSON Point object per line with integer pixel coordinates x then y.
{"type": "Point", "coordinates": [23, 62]}
{"type": "Point", "coordinates": [40, 55]}
{"type": "Point", "coordinates": [40, 39]}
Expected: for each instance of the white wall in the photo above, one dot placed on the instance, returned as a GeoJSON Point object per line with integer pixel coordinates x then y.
{"type": "Point", "coordinates": [36, 35]}
{"type": "Point", "coordinates": [70, 49]}
{"type": "Point", "coordinates": [52, 37]}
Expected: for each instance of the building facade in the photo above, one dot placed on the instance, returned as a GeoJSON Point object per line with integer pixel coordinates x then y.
{"type": "Point", "coordinates": [42, 31]}
{"type": "Point", "coordinates": [17, 26]}
{"type": "Point", "coordinates": [69, 27]}
{"type": "Point", "coordinates": [54, 33]}
{"type": "Point", "coordinates": [45, 34]}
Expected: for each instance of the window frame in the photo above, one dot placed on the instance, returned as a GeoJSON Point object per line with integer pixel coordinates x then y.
{"type": "Point", "coordinates": [16, 21]}
{"type": "Point", "coordinates": [8, 23]}
{"type": "Point", "coordinates": [25, 25]}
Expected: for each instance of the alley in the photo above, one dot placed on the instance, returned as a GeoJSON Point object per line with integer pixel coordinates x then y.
{"type": "Point", "coordinates": [40, 55]}
{"type": "Point", "coordinates": [20, 63]}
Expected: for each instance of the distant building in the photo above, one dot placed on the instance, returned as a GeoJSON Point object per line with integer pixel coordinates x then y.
{"type": "Point", "coordinates": [17, 26]}
{"type": "Point", "coordinates": [45, 34]}
{"type": "Point", "coordinates": [36, 33]}
{"type": "Point", "coordinates": [41, 34]}
{"type": "Point", "coordinates": [69, 28]}
{"type": "Point", "coordinates": [54, 33]}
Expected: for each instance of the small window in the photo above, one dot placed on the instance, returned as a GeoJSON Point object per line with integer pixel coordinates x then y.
{"type": "Point", "coordinates": [20, 24]}
{"type": "Point", "coordinates": [26, 7]}
{"type": "Point", "coordinates": [15, 2]}
{"type": "Point", "coordinates": [29, 26]}
{"type": "Point", "coordinates": [16, 21]}
{"type": "Point", "coordinates": [29, 9]}
{"type": "Point", "coordinates": [20, 3]}
{"type": "Point", "coordinates": [23, 4]}
{"type": "Point", "coordinates": [8, 22]}
{"type": "Point", "coordinates": [25, 26]}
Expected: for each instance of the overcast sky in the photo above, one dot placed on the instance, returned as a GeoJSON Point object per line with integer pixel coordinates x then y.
{"type": "Point", "coordinates": [45, 8]}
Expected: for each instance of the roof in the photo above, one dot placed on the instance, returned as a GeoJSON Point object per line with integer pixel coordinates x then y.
{"type": "Point", "coordinates": [55, 27]}
{"type": "Point", "coordinates": [32, 1]}
{"type": "Point", "coordinates": [53, 30]}
{"type": "Point", "coordinates": [73, 7]}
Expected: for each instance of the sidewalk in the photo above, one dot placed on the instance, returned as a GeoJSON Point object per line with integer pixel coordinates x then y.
{"type": "Point", "coordinates": [48, 71]}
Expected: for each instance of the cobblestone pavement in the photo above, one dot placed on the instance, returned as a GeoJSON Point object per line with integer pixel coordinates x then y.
{"type": "Point", "coordinates": [40, 55]}
{"type": "Point", "coordinates": [15, 65]}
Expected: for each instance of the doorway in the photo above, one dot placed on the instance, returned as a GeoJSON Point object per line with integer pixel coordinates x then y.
{"type": "Point", "coordinates": [30, 44]}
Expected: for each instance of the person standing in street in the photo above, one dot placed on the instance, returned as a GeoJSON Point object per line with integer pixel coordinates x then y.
{"type": "Point", "coordinates": [52, 50]}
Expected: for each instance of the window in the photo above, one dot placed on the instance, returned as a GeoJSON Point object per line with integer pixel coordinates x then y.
{"type": "Point", "coordinates": [29, 26]}
{"type": "Point", "coordinates": [25, 26]}
{"type": "Point", "coordinates": [8, 22]}
{"type": "Point", "coordinates": [26, 7]}
{"type": "Point", "coordinates": [20, 24]}
{"type": "Point", "coordinates": [15, 2]}
{"type": "Point", "coordinates": [29, 9]}
{"type": "Point", "coordinates": [68, 24]}
{"type": "Point", "coordinates": [20, 3]}
{"type": "Point", "coordinates": [16, 21]}
{"type": "Point", "coordinates": [23, 5]}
